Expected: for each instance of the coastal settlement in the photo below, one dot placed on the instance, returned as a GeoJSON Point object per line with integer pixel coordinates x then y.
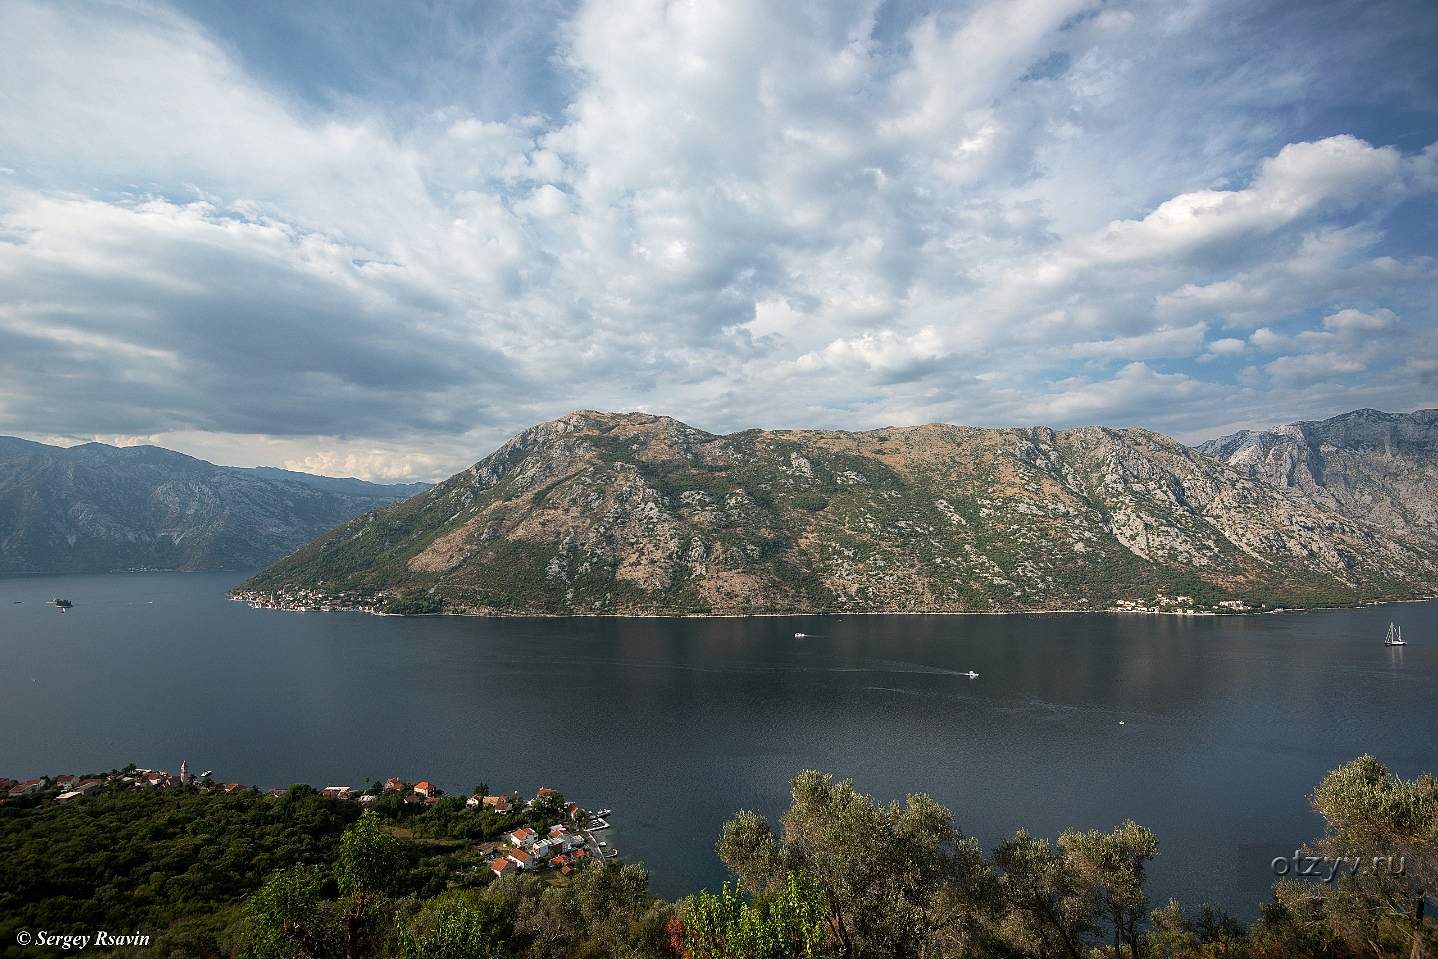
{"type": "Point", "coordinates": [534, 843]}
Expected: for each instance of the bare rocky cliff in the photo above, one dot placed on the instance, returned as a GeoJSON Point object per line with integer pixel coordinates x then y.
{"type": "Point", "coordinates": [1378, 467]}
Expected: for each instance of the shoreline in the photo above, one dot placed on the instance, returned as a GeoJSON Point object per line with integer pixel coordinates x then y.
{"type": "Point", "coordinates": [834, 613]}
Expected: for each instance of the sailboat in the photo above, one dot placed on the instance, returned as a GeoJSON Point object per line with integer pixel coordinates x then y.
{"type": "Point", "coordinates": [1394, 637]}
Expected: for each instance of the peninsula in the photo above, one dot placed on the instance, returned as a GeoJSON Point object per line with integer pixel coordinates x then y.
{"type": "Point", "coordinates": [636, 514]}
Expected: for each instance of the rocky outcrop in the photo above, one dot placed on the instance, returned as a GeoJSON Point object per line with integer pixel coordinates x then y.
{"type": "Point", "coordinates": [639, 514]}
{"type": "Point", "coordinates": [1380, 468]}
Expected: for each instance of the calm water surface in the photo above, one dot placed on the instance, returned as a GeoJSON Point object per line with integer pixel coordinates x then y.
{"type": "Point", "coordinates": [1227, 723]}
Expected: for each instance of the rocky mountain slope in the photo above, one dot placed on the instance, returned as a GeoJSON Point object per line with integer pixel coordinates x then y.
{"type": "Point", "coordinates": [632, 513]}
{"type": "Point", "coordinates": [14, 448]}
{"type": "Point", "coordinates": [1378, 467]}
{"type": "Point", "coordinates": [97, 508]}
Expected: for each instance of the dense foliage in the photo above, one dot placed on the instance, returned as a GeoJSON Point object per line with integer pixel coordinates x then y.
{"type": "Point", "coordinates": [842, 877]}
{"type": "Point", "coordinates": [154, 860]}
{"type": "Point", "coordinates": [413, 604]}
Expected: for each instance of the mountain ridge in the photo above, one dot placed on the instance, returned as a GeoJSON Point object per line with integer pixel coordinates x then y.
{"type": "Point", "coordinates": [97, 508]}
{"type": "Point", "coordinates": [639, 514]}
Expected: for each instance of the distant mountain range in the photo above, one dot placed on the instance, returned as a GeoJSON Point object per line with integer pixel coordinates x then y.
{"type": "Point", "coordinates": [628, 513]}
{"type": "Point", "coordinates": [96, 508]}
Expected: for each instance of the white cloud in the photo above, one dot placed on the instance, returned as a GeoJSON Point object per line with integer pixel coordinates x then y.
{"type": "Point", "coordinates": [1356, 321]}
{"type": "Point", "coordinates": [1314, 365]}
{"type": "Point", "coordinates": [376, 465]}
{"type": "Point", "coordinates": [1131, 390]}
{"type": "Point", "coordinates": [1003, 212]}
{"type": "Point", "coordinates": [1265, 339]}
{"type": "Point", "coordinates": [1225, 347]}
{"type": "Point", "coordinates": [1163, 342]}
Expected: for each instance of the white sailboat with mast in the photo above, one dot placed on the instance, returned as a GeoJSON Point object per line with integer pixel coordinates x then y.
{"type": "Point", "coordinates": [1395, 636]}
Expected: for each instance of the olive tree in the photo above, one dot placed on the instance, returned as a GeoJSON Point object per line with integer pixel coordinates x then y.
{"type": "Point", "coordinates": [1382, 832]}
{"type": "Point", "coordinates": [893, 880]}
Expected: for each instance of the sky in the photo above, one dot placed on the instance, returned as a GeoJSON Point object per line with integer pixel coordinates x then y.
{"type": "Point", "coordinates": [373, 239]}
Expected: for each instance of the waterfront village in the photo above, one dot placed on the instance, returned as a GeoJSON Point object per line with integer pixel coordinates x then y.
{"type": "Point", "coordinates": [560, 847]}
{"type": "Point", "coordinates": [315, 601]}
{"type": "Point", "coordinates": [310, 600]}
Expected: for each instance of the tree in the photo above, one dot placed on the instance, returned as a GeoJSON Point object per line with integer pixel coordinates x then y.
{"type": "Point", "coordinates": [1387, 829]}
{"type": "Point", "coordinates": [548, 807]}
{"type": "Point", "coordinates": [1110, 868]}
{"type": "Point", "coordinates": [458, 925]}
{"type": "Point", "coordinates": [1170, 934]}
{"type": "Point", "coordinates": [1045, 911]}
{"type": "Point", "coordinates": [288, 917]}
{"type": "Point", "coordinates": [368, 857]}
{"type": "Point", "coordinates": [1216, 927]}
{"type": "Point", "coordinates": [1295, 923]}
{"type": "Point", "coordinates": [603, 910]}
{"type": "Point", "coordinates": [894, 880]}
{"type": "Point", "coordinates": [787, 925]}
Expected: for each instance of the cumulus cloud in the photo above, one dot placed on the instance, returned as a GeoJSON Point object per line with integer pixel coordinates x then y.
{"type": "Point", "coordinates": [376, 465]}
{"type": "Point", "coordinates": [1356, 321]}
{"type": "Point", "coordinates": [742, 214]}
{"type": "Point", "coordinates": [1227, 346]}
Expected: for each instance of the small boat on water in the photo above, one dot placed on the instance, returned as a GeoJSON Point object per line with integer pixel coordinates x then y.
{"type": "Point", "coordinates": [971, 674]}
{"type": "Point", "coordinates": [63, 603]}
{"type": "Point", "coordinates": [1394, 637]}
